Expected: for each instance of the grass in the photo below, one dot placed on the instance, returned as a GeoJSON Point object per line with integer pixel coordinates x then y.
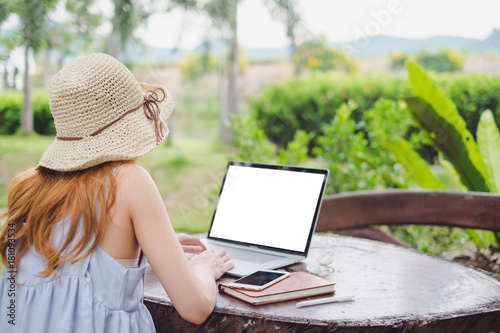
{"type": "Point", "coordinates": [187, 172]}
{"type": "Point", "coordinates": [18, 153]}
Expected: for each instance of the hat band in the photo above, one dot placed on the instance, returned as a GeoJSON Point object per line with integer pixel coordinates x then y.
{"type": "Point", "coordinates": [151, 111]}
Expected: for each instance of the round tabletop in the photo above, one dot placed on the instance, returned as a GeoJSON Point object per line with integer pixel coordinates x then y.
{"type": "Point", "coordinates": [395, 288]}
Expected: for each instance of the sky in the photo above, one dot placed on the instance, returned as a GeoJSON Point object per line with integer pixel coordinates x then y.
{"type": "Point", "coordinates": [337, 20]}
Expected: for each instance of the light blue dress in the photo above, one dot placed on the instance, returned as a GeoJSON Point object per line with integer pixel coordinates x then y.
{"type": "Point", "coordinates": [95, 294]}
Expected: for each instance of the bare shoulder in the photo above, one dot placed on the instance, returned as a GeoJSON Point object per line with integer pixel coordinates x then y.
{"type": "Point", "coordinates": [132, 175]}
{"type": "Point", "coordinates": [132, 170]}
{"type": "Point", "coordinates": [135, 183]}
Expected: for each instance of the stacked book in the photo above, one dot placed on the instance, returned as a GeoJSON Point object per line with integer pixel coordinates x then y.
{"type": "Point", "coordinates": [297, 285]}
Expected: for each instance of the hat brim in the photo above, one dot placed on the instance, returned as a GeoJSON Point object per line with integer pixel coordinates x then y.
{"type": "Point", "coordinates": [129, 138]}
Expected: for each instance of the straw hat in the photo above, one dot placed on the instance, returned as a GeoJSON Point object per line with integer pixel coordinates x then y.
{"type": "Point", "coordinates": [101, 113]}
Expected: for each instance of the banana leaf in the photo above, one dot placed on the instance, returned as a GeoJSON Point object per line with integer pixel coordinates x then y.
{"type": "Point", "coordinates": [482, 238]}
{"type": "Point", "coordinates": [454, 182]}
{"type": "Point", "coordinates": [416, 167]}
{"type": "Point", "coordinates": [488, 143]}
{"type": "Point", "coordinates": [437, 115]}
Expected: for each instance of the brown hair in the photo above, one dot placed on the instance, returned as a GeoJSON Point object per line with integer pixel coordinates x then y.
{"type": "Point", "coordinates": [39, 197]}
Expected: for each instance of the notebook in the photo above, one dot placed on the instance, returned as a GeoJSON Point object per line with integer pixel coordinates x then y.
{"type": "Point", "coordinates": [297, 285]}
{"type": "Point", "coordinates": [265, 215]}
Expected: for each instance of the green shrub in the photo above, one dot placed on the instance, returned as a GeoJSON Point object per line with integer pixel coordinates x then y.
{"type": "Point", "coordinates": [344, 151]}
{"type": "Point", "coordinates": [316, 56]}
{"type": "Point", "coordinates": [444, 60]}
{"type": "Point", "coordinates": [10, 113]}
{"type": "Point", "coordinates": [307, 103]}
{"type": "Point", "coordinates": [471, 95]}
{"type": "Point", "coordinates": [196, 65]}
{"type": "Point", "coordinates": [398, 60]}
{"type": "Point", "coordinates": [251, 140]}
{"type": "Point", "coordinates": [357, 160]}
{"type": "Point", "coordinates": [43, 121]}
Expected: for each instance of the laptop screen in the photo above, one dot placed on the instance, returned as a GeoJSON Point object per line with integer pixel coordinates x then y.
{"type": "Point", "coordinates": [268, 205]}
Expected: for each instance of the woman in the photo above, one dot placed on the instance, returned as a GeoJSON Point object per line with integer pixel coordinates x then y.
{"type": "Point", "coordinates": [80, 225]}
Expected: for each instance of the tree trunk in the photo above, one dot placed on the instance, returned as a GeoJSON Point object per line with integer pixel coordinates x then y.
{"type": "Point", "coordinates": [27, 111]}
{"type": "Point", "coordinates": [47, 73]}
{"type": "Point", "coordinates": [222, 90]}
{"type": "Point", "coordinates": [114, 44]}
{"type": "Point", "coordinates": [232, 86]}
{"type": "Point", "coordinates": [115, 39]}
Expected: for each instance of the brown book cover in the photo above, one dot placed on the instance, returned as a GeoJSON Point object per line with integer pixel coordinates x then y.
{"type": "Point", "coordinates": [297, 285]}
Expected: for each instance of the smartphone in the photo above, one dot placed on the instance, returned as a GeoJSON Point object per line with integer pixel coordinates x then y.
{"type": "Point", "coordinates": [259, 280]}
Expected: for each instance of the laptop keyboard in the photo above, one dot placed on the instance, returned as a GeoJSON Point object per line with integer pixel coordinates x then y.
{"type": "Point", "coordinates": [257, 257]}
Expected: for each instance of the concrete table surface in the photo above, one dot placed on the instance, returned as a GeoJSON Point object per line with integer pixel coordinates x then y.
{"type": "Point", "coordinates": [396, 289]}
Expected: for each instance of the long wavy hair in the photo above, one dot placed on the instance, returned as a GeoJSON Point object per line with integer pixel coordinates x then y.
{"type": "Point", "coordinates": [39, 197]}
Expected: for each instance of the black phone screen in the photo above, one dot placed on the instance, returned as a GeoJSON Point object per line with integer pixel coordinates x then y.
{"type": "Point", "coordinates": [259, 278]}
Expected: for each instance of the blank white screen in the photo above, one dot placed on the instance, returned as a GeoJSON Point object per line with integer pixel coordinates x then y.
{"type": "Point", "coordinates": [267, 207]}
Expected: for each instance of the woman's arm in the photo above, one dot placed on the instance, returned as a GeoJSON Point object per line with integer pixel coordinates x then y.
{"type": "Point", "coordinates": [190, 285]}
{"type": "Point", "coordinates": [190, 244]}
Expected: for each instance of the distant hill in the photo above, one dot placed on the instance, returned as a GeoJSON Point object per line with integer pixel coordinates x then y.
{"type": "Point", "coordinates": [375, 46]}
{"type": "Point", "coordinates": [492, 43]}
{"type": "Point", "coordinates": [152, 55]}
{"type": "Point", "coordinates": [158, 55]}
{"type": "Point", "coordinates": [383, 45]}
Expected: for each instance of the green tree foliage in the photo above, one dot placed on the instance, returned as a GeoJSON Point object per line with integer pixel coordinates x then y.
{"type": "Point", "coordinates": [34, 18]}
{"type": "Point", "coordinates": [223, 12]}
{"type": "Point", "coordinates": [127, 16]}
{"type": "Point", "coordinates": [444, 60]}
{"type": "Point", "coordinates": [399, 59]}
{"type": "Point", "coordinates": [71, 34]}
{"type": "Point", "coordinates": [315, 55]}
{"type": "Point", "coordinates": [80, 27]}
{"type": "Point", "coordinates": [195, 65]}
{"type": "Point", "coordinates": [285, 11]}
{"type": "Point", "coordinates": [5, 8]}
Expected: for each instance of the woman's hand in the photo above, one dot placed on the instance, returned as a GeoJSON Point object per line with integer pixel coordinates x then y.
{"type": "Point", "coordinates": [190, 244]}
{"type": "Point", "coordinates": [215, 262]}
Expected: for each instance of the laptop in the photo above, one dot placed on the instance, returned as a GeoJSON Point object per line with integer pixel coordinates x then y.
{"type": "Point", "coordinates": [265, 215]}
